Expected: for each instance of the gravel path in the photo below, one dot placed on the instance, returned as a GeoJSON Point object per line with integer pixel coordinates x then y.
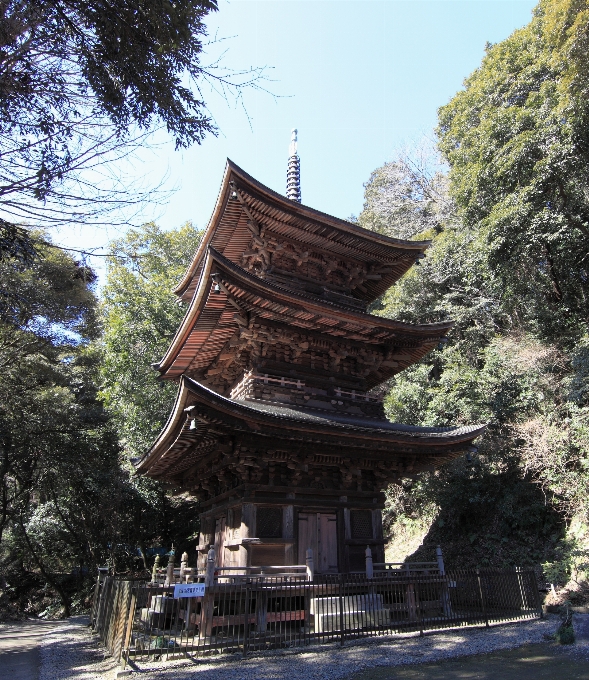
{"type": "Point", "coordinates": [19, 648]}
{"type": "Point", "coordinates": [71, 652]}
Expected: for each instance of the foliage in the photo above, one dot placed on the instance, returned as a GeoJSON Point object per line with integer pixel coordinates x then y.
{"type": "Point", "coordinates": [68, 502]}
{"type": "Point", "coordinates": [516, 142]}
{"type": "Point", "coordinates": [407, 196]}
{"type": "Point", "coordinates": [57, 455]}
{"type": "Point", "coordinates": [82, 84]}
{"type": "Point", "coordinates": [565, 633]}
{"type": "Point", "coordinates": [141, 316]}
{"type": "Point", "coordinates": [517, 499]}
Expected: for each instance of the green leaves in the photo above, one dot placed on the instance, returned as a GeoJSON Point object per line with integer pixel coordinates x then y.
{"type": "Point", "coordinates": [140, 316]}
{"type": "Point", "coordinates": [516, 142]}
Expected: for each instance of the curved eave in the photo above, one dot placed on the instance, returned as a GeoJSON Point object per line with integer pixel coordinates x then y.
{"type": "Point", "coordinates": [234, 173]}
{"type": "Point", "coordinates": [289, 299]}
{"type": "Point", "coordinates": [169, 434]}
{"type": "Point", "coordinates": [259, 421]}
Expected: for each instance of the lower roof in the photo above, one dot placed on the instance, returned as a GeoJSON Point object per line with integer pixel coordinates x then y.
{"type": "Point", "coordinates": [279, 422]}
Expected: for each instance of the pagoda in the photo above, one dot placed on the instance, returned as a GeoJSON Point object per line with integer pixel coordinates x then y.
{"type": "Point", "coordinates": [278, 427]}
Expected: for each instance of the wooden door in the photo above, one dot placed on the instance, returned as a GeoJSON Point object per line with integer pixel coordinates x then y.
{"type": "Point", "coordinates": [318, 531]}
{"type": "Point", "coordinates": [327, 543]}
{"type": "Point", "coordinates": [220, 528]}
{"type": "Point", "coordinates": [307, 535]}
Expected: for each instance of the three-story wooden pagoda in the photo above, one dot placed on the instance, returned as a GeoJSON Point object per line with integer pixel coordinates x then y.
{"type": "Point", "coordinates": [275, 428]}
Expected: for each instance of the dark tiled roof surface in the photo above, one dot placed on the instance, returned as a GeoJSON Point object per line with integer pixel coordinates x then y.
{"type": "Point", "coordinates": [337, 420]}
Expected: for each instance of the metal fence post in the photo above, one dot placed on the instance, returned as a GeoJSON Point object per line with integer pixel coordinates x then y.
{"type": "Point", "coordinates": [418, 600]}
{"type": "Point", "coordinates": [246, 627]}
{"type": "Point", "coordinates": [341, 610]}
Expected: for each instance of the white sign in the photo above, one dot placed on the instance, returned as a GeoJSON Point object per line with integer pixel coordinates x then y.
{"type": "Point", "coordinates": [189, 590]}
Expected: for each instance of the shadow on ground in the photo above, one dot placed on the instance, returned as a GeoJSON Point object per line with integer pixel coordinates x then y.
{"type": "Point", "coordinates": [531, 662]}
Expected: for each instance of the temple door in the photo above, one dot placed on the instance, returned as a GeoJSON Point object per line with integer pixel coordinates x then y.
{"type": "Point", "coordinates": [220, 528]}
{"type": "Point", "coordinates": [318, 531]}
{"type": "Point", "coordinates": [327, 543]}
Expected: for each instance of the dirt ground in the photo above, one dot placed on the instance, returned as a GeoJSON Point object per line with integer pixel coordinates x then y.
{"type": "Point", "coordinates": [547, 661]}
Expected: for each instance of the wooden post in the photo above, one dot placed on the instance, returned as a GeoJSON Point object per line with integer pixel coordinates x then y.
{"type": "Point", "coordinates": [170, 569]}
{"type": "Point", "coordinates": [482, 599]}
{"type": "Point", "coordinates": [156, 566]}
{"type": "Point", "coordinates": [210, 569]}
{"type": "Point", "coordinates": [261, 610]}
{"type": "Point", "coordinates": [248, 520]}
{"type": "Point", "coordinates": [208, 602]}
{"type": "Point", "coordinates": [130, 619]}
{"type": "Point", "coordinates": [310, 567]}
{"type": "Point", "coordinates": [369, 565]}
{"type": "Point", "coordinates": [183, 566]}
{"type": "Point", "coordinates": [440, 559]}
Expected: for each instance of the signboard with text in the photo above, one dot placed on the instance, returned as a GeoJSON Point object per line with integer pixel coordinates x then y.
{"type": "Point", "coordinates": [189, 590]}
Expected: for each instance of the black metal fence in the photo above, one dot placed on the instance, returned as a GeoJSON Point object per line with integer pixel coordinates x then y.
{"type": "Point", "coordinates": [140, 620]}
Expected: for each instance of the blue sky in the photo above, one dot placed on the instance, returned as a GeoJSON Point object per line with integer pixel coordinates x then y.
{"type": "Point", "coordinates": [358, 78]}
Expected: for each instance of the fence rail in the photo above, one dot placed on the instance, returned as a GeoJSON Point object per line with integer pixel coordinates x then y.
{"type": "Point", "coordinates": [137, 620]}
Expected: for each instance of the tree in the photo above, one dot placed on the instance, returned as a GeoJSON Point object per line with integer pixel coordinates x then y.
{"type": "Point", "coordinates": [67, 497]}
{"type": "Point", "coordinates": [408, 195]}
{"type": "Point", "coordinates": [140, 317]}
{"type": "Point", "coordinates": [513, 501]}
{"type": "Point", "coordinates": [81, 85]}
{"type": "Point", "coordinates": [516, 141]}
{"type": "Point", "coordinates": [58, 457]}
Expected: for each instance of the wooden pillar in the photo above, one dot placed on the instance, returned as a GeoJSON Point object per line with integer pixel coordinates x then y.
{"type": "Point", "coordinates": [288, 534]}
{"type": "Point", "coordinates": [248, 522]}
{"type": "Point", "coordinates": [346, 534]}
{"type": "Point", "coordinates": [261, 610]}
{"type": "Point", "coordinates": [208, 602]}
{"type": "Point", "coordinates": [377, 532]}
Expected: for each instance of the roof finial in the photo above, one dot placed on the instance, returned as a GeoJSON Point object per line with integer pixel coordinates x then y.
{"type": "Point", "coordinates": [293, 175]}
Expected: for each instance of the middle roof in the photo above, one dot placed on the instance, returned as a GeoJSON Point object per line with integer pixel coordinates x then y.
{"type": "Point", "coordinates": [228, 298]}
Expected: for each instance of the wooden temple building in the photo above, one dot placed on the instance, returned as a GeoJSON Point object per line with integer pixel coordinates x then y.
{"type": "Point", "coordinates": [277, 428]}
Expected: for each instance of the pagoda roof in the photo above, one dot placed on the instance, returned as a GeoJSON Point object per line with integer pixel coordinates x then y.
{"type": "Point", "coordinates": [213, 318]}
{"type": "Point", "coordinates": [245, 206]}
{"type": "Point", "coordinates": [180, 446]}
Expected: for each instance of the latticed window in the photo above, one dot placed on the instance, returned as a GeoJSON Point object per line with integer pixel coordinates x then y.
{"type": "Point", "coordinates": [361, 523]}
{"type": "Point", "coordinates": [269, 522]}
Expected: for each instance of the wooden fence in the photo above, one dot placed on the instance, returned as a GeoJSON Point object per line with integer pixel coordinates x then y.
{"type": "Point", "coordinates": [138, 620]}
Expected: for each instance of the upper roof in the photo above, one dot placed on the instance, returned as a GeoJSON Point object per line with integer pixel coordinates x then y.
{"type": "Point", "coordinates": [214, 317]}
{"type": "Point", "coordinates": [245, 206]}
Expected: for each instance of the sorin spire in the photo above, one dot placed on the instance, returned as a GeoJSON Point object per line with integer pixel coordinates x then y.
{"type": "Point", "coordinates": [293, 175]}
